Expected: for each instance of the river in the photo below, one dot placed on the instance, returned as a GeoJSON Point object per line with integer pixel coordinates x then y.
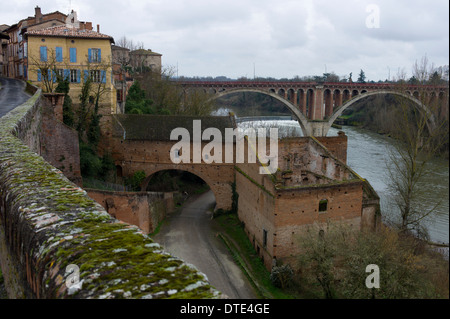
{"type": "Point", "coordinates": [367, 155]}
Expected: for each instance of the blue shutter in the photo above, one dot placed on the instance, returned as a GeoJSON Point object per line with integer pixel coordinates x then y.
{"type": "Point", "coordinates": [86, 75]}
{"type": "Point", "coordinates": [99, 55]}
{"type": "Point", "coordinates": [90, 55]}
{"type": "Point", "coordinates": [73, 55]}
{"type": "Point", "coordinates": [49, 75]}
{"type": "Point", "coordinates": [103, 75]}
{"type": "Point", "coordinates": [59, 54]}
{"type": "Point", "coordinates": [43, 54]}
{"type": "Point", "coordinates": [39, 76]}
{"type": "Point", "coordinates": [78, 76]}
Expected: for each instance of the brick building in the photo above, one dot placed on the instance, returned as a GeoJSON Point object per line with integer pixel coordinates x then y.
{"type": "Point", "coordinates": [312, 185]}
{"type": "Point", "coordinates": [17, 47]}
{"type": "Point", "coordinates": [3, 47]}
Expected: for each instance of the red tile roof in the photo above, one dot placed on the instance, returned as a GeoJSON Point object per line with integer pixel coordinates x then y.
{"type": "Point", "coordinates": [68, 32]}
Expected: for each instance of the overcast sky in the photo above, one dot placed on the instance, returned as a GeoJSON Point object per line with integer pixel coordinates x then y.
{"type": "Point", "coordinates": [269, 38]}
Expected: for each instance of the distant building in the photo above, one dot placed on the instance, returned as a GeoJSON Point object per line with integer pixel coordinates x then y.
{"type": "Point", "coordinates": [127, 62]}
{"type": "Point", "coordinates": [145, 60]}
{"type": "Point", "coordinates": [122, 79]}
{"type": "Point", "coordinates": [3, 47]}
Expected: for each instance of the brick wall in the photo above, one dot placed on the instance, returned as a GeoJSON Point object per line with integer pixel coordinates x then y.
{"type": "Point", "coordinates": [143, 209]}
{"type": "Point", "coordinates": [58, 142]}
{"type": "Point", "coordinates": [300, 207]}
{"type": "Point", "coordinates": [337, 145]}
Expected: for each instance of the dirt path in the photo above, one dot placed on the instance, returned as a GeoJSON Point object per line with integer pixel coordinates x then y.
{"type": "Point", "coordinates": [191, 236]}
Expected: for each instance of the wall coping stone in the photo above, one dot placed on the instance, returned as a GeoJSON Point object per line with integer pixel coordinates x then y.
{"type": "Point", "coordinates": [49, 223]}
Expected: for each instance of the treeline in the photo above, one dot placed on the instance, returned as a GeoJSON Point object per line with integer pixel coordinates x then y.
{"type": "Point", "coordinates": [156, 93]}
{"type": "Point", "coordinates": [439, 76]}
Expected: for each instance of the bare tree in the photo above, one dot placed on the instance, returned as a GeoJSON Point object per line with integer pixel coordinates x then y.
{"type": "Point", "coordinates": [48, 69]}
{"type": "Point", "coordinates": [419, 133]}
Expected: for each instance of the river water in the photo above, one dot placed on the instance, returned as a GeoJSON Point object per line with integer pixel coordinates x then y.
{"type": "Point", "coordinates": [368, 156]}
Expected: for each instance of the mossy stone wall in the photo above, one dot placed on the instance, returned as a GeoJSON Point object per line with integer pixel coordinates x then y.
{"type": "Point", "coordinates": [48, 223]}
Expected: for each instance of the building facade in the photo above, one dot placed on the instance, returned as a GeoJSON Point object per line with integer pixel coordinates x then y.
{"type": "Point", "coordinates": [74, 53]}
{"type": "Point", "coordinates": [46, 45]}
{"type": "Point", "coordinates": [17, 47]}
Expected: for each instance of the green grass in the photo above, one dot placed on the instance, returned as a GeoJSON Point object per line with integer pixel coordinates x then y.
{"type": "Point", "coordinates": [245, 254]}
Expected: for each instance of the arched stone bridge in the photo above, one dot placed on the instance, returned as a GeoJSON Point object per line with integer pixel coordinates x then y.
{"type": "Point", "coordinates": [317, 105]}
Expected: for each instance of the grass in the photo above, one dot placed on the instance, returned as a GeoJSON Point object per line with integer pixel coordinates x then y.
{"type": "Point", "coordinates": [246, 257]}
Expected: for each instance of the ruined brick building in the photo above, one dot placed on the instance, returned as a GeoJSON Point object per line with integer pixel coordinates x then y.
{"type": "Point", "coordinates": [312, 184]}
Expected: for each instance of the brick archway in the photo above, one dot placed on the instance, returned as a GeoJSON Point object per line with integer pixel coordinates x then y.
{"type": "Point", "coordinates": [221, 189]}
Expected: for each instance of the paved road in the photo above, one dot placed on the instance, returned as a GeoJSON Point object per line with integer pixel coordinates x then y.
{"type": "Point", "coordinates": [12, 94]}
{"type": "Point", "coordinates": [190, 235]}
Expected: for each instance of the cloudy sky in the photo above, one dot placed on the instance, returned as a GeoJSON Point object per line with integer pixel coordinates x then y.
{"type": "Point", "coordinates": [269, 38]}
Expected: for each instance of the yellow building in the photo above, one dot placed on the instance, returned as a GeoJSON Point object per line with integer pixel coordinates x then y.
{"type": "Point", "coordinates": [75, 53]}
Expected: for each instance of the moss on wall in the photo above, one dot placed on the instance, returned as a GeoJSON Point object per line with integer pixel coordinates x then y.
{"type": "Point", "coordinates": [50, 223]}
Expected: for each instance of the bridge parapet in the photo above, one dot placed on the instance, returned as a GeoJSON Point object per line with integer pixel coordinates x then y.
{"type": "Point", "coordinates": [49, 225]}
{"type": "Point", "coordinates": [315, 104]}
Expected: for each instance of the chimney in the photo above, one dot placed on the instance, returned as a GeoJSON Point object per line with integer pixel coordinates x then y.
{"type": "Point", "coordinates": [88, 26]}
{"type": "Point", "coordinates": [38, 14]}
{"type": "Point", "coordinates": [98, 28]}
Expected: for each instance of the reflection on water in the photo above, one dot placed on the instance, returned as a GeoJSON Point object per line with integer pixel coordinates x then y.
{"type": "Point", "coordinates": [367, 155]}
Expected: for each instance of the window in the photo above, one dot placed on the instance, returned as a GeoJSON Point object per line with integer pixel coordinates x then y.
{"type": "Point", "coordinates": [59, 54]}
{"type": "Point", "coordinates": [264, 238]}
{"type": "Point", "coordinates": [73, 55]}
{"type": "Point", "coordinates": [95, 55]}
{"type": "Point", "coordinates": [74, 76]}
{"type": "Point", "coordinates": [60, 73]}
{"type": "Point", "coordinates": [95, 76]}
{"type": "Point", "coordinates": [323, 205]}
{"type": "Point", "coordinates": [43, 54]}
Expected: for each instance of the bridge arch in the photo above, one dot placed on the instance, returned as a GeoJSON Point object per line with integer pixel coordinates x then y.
{"type": "Point", "coordinates": [222, 190]}
{"type": "Point", "coordinates": [358, 97]}
{"type": "Point", "coordinates": [302, 120]}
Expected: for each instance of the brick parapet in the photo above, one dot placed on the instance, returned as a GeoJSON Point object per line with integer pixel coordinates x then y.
{"type": "Point", "coordinates": [48, 223]}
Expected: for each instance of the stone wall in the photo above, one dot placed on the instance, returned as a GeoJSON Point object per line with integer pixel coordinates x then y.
{"type": "Point", "coordinates": [47, 223]}
{"type": "Point", "coordinates": [142, 209]}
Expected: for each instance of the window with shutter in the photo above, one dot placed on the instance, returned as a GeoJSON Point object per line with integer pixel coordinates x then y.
{"type": "Point", "coordinates": [43, 54]}
{"type": "Point", "coordinates": [73, 55]}
{"type": "Point", "coordinates": [59, 54]}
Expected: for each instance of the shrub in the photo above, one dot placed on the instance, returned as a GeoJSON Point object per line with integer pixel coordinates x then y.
{"type": "Point", "coordinates": [281, 276]}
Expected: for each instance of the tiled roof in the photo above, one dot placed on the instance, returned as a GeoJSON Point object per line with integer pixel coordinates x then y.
{"type": "Point", "coordinates": [69, 32]}
{"type": "Point", "coordinates": [159, 127]}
